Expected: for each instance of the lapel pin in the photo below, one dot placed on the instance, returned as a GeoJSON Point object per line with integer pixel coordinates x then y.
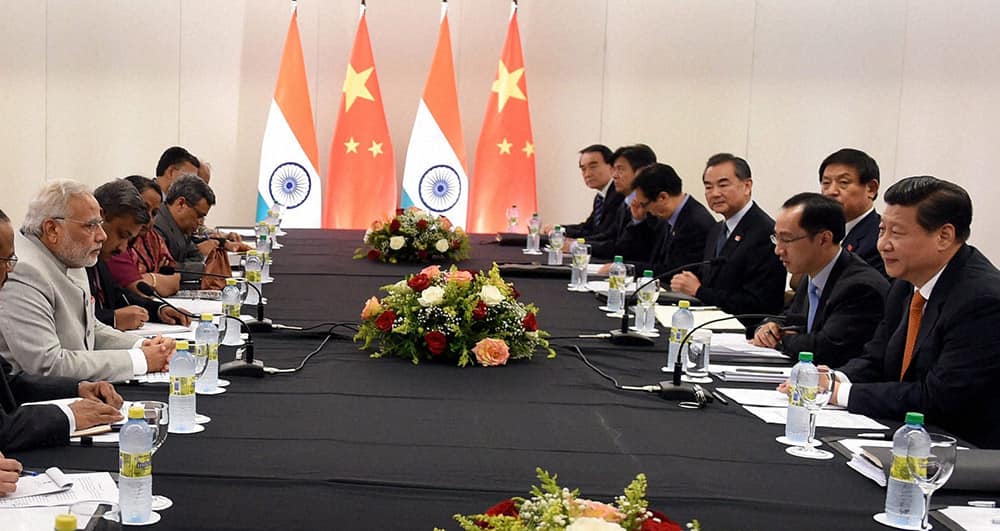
{"type": "Point", "coordinates": [850, 247]}
{"type": "Point", "coordinates": [737, 238]}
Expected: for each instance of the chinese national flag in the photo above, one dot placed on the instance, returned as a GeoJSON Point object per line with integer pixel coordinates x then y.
{"type": "Point", "coordinates": [361, 178]}
{"type": "Point", "coordinates": [504, 171]}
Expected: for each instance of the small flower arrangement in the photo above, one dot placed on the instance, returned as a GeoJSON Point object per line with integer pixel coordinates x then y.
{"type": "Point", "coordinates": [413, 235]}
{"type": "Point", "coordinates": [552, 507]}
{"type": "Point", "coordinates": [453, 315]}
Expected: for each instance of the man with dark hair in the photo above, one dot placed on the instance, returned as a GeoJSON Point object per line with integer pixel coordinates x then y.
{"type": "Point", "coordinates": [186, 206]}
{"type": "Point", "coordinates": [935, 350]}
{"type": "Point", "coordinates": [44, 425]}
{"type": "Point", "coordinates": [633, 231]}
{"type": "Point", "coordinates": [841, 299]}
{"type": "Point", "coordinates": [124, 214]}
{"type": "Point", "coordinates": [147, 252]}
{"type": "Point", "coordinates": [595, 167]}
{"type": "Point", "coordinates": [173, 163]}
{"type": "Point", "coordinates": [751, 279]}
{"type": "Point", "coordinates": [851, 177]}
{"type": "Point", "coordinates": [685, 222]}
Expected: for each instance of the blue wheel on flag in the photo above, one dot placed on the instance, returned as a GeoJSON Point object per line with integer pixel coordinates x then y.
{"type": "Point", "coordinates": [290, 184]}
{"type": "Point", "coordinates": [440, 188]}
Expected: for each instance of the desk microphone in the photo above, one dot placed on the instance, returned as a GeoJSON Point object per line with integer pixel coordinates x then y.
{"type": "Point", "coordinates": [260, 324]}
{"type": "Point", "coordinates": [244, 364]}
{"type": "Point", "coordinates": [623, 336]}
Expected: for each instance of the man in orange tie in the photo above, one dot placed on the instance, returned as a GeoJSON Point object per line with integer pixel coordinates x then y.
{"type": "Point", "coordinates": [937, 349]}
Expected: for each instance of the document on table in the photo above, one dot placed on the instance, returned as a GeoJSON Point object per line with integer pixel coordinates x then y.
{"type": "Point", "coordinates": [738, 345]}
{"type": "Point", "coordinates": [702, 315]}
{"type": "Point", "coordinates": [246, 233]}
{"type": "Point", "coordinates": [88, 486]}
{"type": "Point", "coordinates": [30, 519]}
{"type": "Point", "coordinates": [197, 306]}
{"type": "Point", "coordinates": [601, 286]}
{"type": "Point", "coordinates": [49, 482]}
{"type": "Point", "coordinates": [750, 374]}
{"type": "Point", "coordinates": [595, 269]}
{"type": "Point", "coordinates": [151, 329]}
{"type": "Point", "coordinates": [972, 517]}
{"type": "Point", "coordinates": [827, 418]}
{"type": "Point", "coordinates": [761, 397]}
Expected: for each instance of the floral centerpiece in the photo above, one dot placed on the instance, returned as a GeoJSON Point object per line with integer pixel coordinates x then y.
{"type": "Point", "coordinates": [413, 235]}
{"type": "Point", "coordinates": [552, 507]}
{"type": "Point", "coordinates": [453, 315]}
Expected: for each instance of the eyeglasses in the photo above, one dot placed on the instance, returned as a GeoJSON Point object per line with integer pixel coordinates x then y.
{"type": "Point", "coordinates": [9, 262]}
{"type": "Point", "coordinates": [89, 226]}
{"type": "Point", "coordinates": [786, 241]}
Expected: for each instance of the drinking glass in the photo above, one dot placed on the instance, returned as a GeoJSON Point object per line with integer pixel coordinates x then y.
{"type": "Point", "coordinates": [512, 216]}
{"type": "Point", "coordinates": [932, 471]}
{"type": "Point", "coordinates": [814, 403]}
{"type": "Point", "coordinates": [699, 346]}
{"type": "Point", "coordinates": [581, 259]}
{"type": "Point", "coordinates": [157, 415]}
{"type": "Point", "coordinates": [96, 515]}
{"type": "Point", "coordinates": [647, 303]}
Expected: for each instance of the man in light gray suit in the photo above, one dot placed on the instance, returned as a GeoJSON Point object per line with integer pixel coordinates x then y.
{"type": "Point", "coordinates": [47, 310]}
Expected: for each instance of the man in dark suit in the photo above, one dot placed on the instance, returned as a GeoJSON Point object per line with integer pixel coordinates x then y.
{"type": "Point", "coordinates": [841, 298]}
{"type": "Point", "coordinates": [124, 214]}
{"type": "Point", "coordinates": [851, 177]}
{"type": "Point", "coordinates": [595, 167]}
{"type": "Point", "coordinates": [935, 350]}
{"type": "Point", "coordinates": [685, 222]}
{"type": "Point", "coordinates": [36, 426]}
{"type": "Point", "coordinates": [631, 238]}
{"type": "Point", "coordinates": [751, 279]}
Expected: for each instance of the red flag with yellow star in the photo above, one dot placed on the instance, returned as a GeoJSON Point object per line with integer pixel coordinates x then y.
{"type": "Point", "coordinates": [504, 172]}
{"type": "Point", "coordinates": [361, 178]}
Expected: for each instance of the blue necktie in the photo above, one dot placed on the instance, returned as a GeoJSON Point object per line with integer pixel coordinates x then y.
{"type": "Point", "coordinates": [723, 236]}
{"type": "Point", "coordinates": [813, 305]}
{"type": "Point", "coordinates": [598, 209]}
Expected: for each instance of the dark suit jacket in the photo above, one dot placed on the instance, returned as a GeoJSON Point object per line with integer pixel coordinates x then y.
{"type": "Point", "coordinates": [633, 241]}
{"type": "Point", "coordinates": [29, 427]}
{"type": "Point", "coordinates": [953, 377]}
{"type": "Point", "coordinates": [115, 297]}
{"type": "Point", "coordinates": [180, 245]}
{"type": "Point", "coordinates": [850, 309]}
{"type": "Point", "coordinates": [612, 201]}
{"type": "Point", "coordinates": [683, 243]}
{"type": "Point", "coordinates": [752, 280]}
{"type": "Point", "coordinates": [863, 241]}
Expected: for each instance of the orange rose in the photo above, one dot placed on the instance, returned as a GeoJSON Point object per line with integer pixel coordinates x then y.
{"type": "Point", "coordinates": [460, 277]}
{"type": "Point", "coordinates": [596, 509]}
{"type": "Point", "coordinates": [376, 226]}
{"type": "Point", "coordinates": [432, 271]}
{"type": "Point", "coordinates": [491, 352]}
{"type": "Point", "coordinates": [372, 309]}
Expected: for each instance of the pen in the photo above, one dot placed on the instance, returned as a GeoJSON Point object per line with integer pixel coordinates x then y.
{"type": "Point", "coordinates": [986, 504]}
{"type": "Point", "coordinates": [762, 371]}
{"type": "Point", "coordinates": [28, 473]}
{"type": "Point", "coordinates": [719, 397]}
{"type": "Point", "coordinates": [871, 435]}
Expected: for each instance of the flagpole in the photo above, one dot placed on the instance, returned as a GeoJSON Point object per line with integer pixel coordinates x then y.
{"type": "Point", "coordinates": [513, 8]}
{"type": "Point", "coordinates": [364, 7]}
{"type": "Point", "coordinates": [444, 9]}
{"type": "Point", "coordinates": [295, 5]}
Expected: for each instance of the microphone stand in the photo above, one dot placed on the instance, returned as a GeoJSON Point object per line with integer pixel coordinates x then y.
{"type": "Point", "coordinates": [258, 324]}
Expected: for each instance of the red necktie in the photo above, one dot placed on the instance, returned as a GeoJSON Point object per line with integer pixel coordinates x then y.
{"type": "Point", "coordinates": [912, 329]}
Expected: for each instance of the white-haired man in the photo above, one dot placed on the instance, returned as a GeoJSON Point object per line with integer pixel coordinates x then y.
{"type": "Point", "coordinates": [47, 311]}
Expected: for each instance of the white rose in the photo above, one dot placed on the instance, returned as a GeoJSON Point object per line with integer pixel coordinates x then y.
{"type": "Point", "coordinates": [431, 296]}
{"type": "Point", "coordinates": [399, 286]}
{"type": "Point", "coordinates": [587, 523]}
{"type": "Point", "coordinates": [442, 245]}
{"type": "Point", "coordinates": [491, 295]}
{"type": "Point", "coordinates": [397, 242]}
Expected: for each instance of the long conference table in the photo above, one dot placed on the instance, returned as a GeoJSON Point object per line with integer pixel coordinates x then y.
{"type": "Point", "coordinates": [351, 442]}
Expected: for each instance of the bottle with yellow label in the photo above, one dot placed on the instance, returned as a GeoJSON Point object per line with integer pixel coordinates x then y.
{"type": "Point", "coordinates": [904, 503]}
{"type": "Point", "coordinates": [182, 389]}
{"type": "Point", "coordinates": [254, 267]}
{"type": "Point", "coordinates": [135, 467]}
{"type": "Point", "coordinates": [207, 335]}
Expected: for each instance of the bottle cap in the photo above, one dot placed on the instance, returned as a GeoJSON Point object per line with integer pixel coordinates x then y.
{"type": "Point", "coordinates": [618, 259]}
{"type": "Point", "coordinates": [805, 356]}
{"type": "Point", "coordinates": [912, 417]}
{"type": "Point", "coordinates": [181, 345]}
{"type": "Point", "coordinates": [252, 252]}
{"type": "Point", "coordinates": [230, 281]}
{"type": "Point", "coordinates": [557, 227]}
{"type": "Point", "coordinates": [581, 240]}
{"type": "Point", "coordinates": [684, 304]}
{"type": "Point", "coordinates": [206, 317]}
{"type": "Point", "coordinates": [65, 522]}
{"type": "Point", "coordinates": [647, 272]}
{"type": "Point", "coordinates": [136, 412]}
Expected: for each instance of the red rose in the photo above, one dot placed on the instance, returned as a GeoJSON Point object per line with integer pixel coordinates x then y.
{"type": "Point", "coordinates": [529, 322]}
{"type": "Point", "coordinates": [399, 211]}
{"type": "Point", "coordinates": [374, 254]}
{"type": "Point", "coordinates": [419, 282]}
{"type": "Point", "coordinates": [516, 294]}
{"type": "Point", "coordinates": [456, 244]}
{"type": "Point", "coordinates": [504, 508]}
{"type": "Point", "coordinates": [422, 224]}
{"type": "Point", "coordinates": [659, 522]}
{"type": "Point", "coordinates": [394, 226]}
{"type": "Point", "coordinates": [436, 342]}
{"type": "Point", "coordinates": [384, 321]}
{"type": "Point", "coordinates": [421, 254]}
{"type": "Point", "coordinates": [480, 312]}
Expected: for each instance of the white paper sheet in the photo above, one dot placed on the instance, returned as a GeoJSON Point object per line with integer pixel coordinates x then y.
{"type": "Point", "coordinates": [753, 374]}
{"type": "Point", "coordinates": [48, 482]}
{"type": "Point", "coordinates": [728, 344]}
{"type": "Point", "coordinates": [826, 418]}
{"type": "Point", "coordinates": [89, 486]}
{"type": "Point", "coordinates": [601, 286]}
{"type": "Point", "coordinates": [30, 519]}
{"type": "Point", "coordinates": [973, 518]}
{"type": "Point", "coordinates": [197, 306]}
{"type": "Point", "coordinates": [664, 314]}
{"type": "Point", "coordinates": [151, 329]}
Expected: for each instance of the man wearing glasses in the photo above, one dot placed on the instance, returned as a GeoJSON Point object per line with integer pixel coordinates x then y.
{"type": "Point", "coordinates": [46, 308]}
{"type": "Point", "coordinates": [841, 299]}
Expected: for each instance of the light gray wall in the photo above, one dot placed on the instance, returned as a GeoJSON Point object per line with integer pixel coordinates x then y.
{"type": "Point", "coordinates": [94, 89]}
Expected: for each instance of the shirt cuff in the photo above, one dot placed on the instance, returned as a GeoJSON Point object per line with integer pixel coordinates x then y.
{"type": "Point", "coordinates": [139, 366]}
{"type": "Point", "coordinates": [69, 416]}
{"type": "Point", "coordinates": [843, 389]}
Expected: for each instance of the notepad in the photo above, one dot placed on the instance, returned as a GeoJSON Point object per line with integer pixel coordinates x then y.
{"type": "Point", "coordinates": [49, 482]}
{"type": "Point", "coordinates": [82, 487]}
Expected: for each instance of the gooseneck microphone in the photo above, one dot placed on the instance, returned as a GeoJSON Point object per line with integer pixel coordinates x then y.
{"type": "Point", "coordinates": [260, 324]}
{"type": "Point", "coordinates": [244, 364]}
{"type": "Point", "coordinates": [623, 336]}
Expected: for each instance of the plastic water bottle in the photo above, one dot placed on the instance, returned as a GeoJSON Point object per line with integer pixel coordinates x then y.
{"type": "Point", "coordinates": [207, 336]}
{"type": "Point", "coordinates": [182, 385]}
{"type": "Point", "coordinates": [556, 240]}
{"type": "Point", "coordinates": [803, 382]}
{"type": "Point", "coordinates": [616, 285]}
{"type": "Point", "coordinates": [264, 250]}
{"type": "Point", "coordinates": [230, 306]}
{"type": "Point", "coordinates": [534, 236]}
{"type": "Point", "coordinates": [65, 522]}
{"type": "Point", "coordinates": [680, 324]}
{"type": "Point", "coordinates": [904, 503]}
{"type": "Point", "coordinates": [135, 467]}
{"type": "Point", "coordinates": [253, 272]}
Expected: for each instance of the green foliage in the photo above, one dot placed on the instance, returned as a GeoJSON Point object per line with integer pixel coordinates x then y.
{"type": "Point", "coordinates": [421, 237]}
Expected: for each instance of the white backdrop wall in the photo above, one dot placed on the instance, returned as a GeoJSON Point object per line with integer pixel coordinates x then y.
{"type": "Point", "coordinates": [95, 89]}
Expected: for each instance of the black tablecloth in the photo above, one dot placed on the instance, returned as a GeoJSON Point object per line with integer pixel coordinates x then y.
{"type": "Point", "coordinates": [357, 443]}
